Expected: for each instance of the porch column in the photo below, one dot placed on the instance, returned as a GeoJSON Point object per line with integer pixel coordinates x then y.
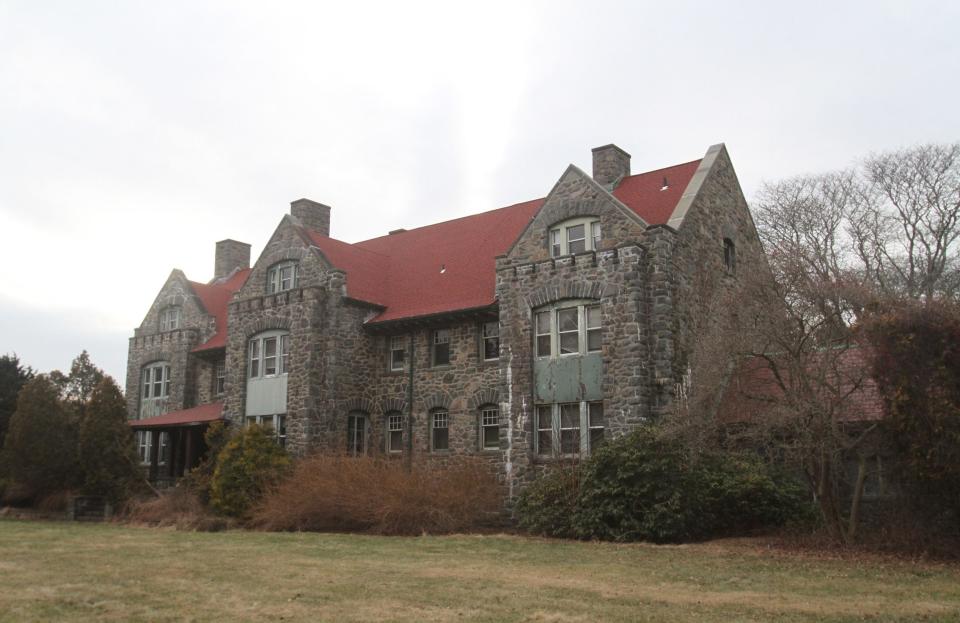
{"type": "Point", "coordinates": [154, 455]}
{"type": "Point", "coordinates": [191, 448]}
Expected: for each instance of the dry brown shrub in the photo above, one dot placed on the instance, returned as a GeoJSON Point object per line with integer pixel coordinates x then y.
{"type": "Point", "coordinates": [177, 507]}
{"type": "Point", "coordinates": [339, 493]}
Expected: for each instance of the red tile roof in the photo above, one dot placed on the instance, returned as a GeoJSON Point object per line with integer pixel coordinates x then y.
{"type": "Point", "coordinates": [197, 415]}
{"type": "Point", "coordinates": [450, 266]}
{"type": "Point", "coordinates": [215, 297]}
{"type": "Point", "coordinates": [646, 195]}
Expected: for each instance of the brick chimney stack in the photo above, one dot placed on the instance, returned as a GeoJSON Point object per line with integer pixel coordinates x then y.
{"type": "Point", "coordinates": [312, 215]}
{"type": "Point", "coordinates": [610, 165]}
{"type": "Point", "coordinates": [230, 255]}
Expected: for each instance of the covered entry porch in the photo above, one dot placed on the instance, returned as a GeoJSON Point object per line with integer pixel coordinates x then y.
{"type": "Point", "coordinates": [176, 443]}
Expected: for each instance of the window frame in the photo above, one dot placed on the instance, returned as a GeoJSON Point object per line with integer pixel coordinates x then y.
{"type": "Point", "coordinates": [559, 240]}
{"type": "Point", "coordinates": [220, 378]}
{"type": "Point", "coordinates": [275, 421]}
{"type": "Point", "coordinates": [486, 337]}
{"type": "Point", "coordinates": [358, 422]}
{"type": "Point", "coordinates": [730, 256]}
{"type": "Point", "coordinates": [392, 342]}
{"type": "Point", "coordinates": [587, 430]}
{"type": "Point", "coordinates": [435, 335]}
{"type": "Point", "coordinates": [275, 281]}
{"type": "Point", "coordinates": [489, 420]}
{"type": "Point", "coordinates": [584, 331]}
{"type": "Point", "coordinates": [393, 424]}
{"type": "Point", "coordinates": [257, 354]}
{"type": "Point", "coordinates": [149, 382]}
{"type": "Point", "coordinates": [171, 318]}
{"type": "Point", "coordinates": [438, 415]}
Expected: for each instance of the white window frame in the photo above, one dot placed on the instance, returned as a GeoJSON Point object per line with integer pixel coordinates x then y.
{"type": "Point", "coordinates": [551, 426]}
{"type": "Point", "coordinates": [438, 337]}
{"type": "Point", "coordinates": [490, 333]}
{"type": "Point", "coordinates": [397, 346]}
{"type": "Point", "coordinates": [589, 324]}
{"type": "Point", "coordinates": [438, 416]}
{"type": "Point", "coordinates": [283, 276]}
{"type": "Point", "coordinates": [258, 359]}
{"type": "Point", "coordinates": [277, 421]}
{"type": "Point", "coordinates": [220, 378]}
{"type": "Point", "coordinates": [394, 424]}
{"type": "Point", "coordinates": [155, 381]}
{"type": "Point", "coordinates": [143, 446]}
{"type": "Point", "coordinates": [170, 318]}
{"type": "Point", "coordinates": [559, 239]}
{"type": "Point", "coordinates": [489, 420]}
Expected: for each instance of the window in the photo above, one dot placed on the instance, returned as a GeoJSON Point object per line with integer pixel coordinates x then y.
{"type": "Point", "coordinates": [490, 340]}
{"type": "Point", "coordinates": [394, 432]}
{"type": "Point", "coordinates": [575, 236]}
{"type": "Point", "coordinates": [439, 431]}
{"type": "Point", "coordinates": [164, 453]}
{"type": "Point", "coordinates": [143, 446]}
{"type": "Point", "coordinates": [441, 347]}
{"type": "Point", "coordinates": [269, 355]}
{"type": "Point", "coordinates": [490, 428]}
{"type": "Point", "coordinates": [729, 256]}
{"type": "Point", "coordinates": [170, 318]}
{"type": "Point", "coordinates": [277, 421]}
{"type": "Point", "coordinates": [220, 379]}
{"type": "Point", "coordinates": [281, 277]}
{"type": "Point", "coordinates": [543, 321]}
{"type": "Point", "coordinates": [569, 429]}
{"type": "Point", "coordinates": [156, 380]}
{"type": "Point", "coordinates": [574, 329]}
{"type": "Point", "coordinates": [356, 434]}
{"type": "Point", "coordinates": [398, 353]}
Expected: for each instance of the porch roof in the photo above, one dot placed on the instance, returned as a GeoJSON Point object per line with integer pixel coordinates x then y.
{"type": "Point", "coordinates": [188, 417]}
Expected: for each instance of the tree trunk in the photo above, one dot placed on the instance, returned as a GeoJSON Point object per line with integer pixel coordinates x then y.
{"type": "Point", "coordinates": [856, 498]}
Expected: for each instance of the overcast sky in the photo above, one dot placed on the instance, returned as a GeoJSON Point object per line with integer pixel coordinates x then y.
{"type": "Point", "coordinates": [133, 135]}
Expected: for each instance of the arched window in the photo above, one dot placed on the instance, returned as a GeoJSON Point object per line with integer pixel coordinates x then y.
{"type": "Point", "coordinates": [282, 276]}
{"type": "Point", "coordinates": [489, 427]}
{"type": "Point", "coordinates": [170, 318]}
{"type": "Point", "coordinates": [440, 430]}
{"type": "Point", "coordinates": [575, 235]}
{"type": "Point", "coordinates": [394, 432]}
{"type": "Point", "coordinates": [729, 256]}
{"type": "Point", "coordinates": [357, 433]}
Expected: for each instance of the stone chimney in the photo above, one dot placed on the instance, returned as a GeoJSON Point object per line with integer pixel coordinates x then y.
{"type": "Point", "coordinates": [312, 215]}
{"type": "Point", "coordinates": [610, 165]}
{"type": "Point", "coordinates": [230, 254]}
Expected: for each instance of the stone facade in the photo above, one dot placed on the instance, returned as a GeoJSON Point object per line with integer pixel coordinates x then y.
{"type": "Point", "coordinates": [655, 285]}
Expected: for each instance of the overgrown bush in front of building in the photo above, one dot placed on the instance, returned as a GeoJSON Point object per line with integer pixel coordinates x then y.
{"type": "Point", "coordinates": [250, 462]}
{"type": "Point", "coordinates": [645, 487]}
{"type": "Point", "coordinates": [200, 478]}
{"type": "Point", "coordinates": [340, 493]}
{"type": "Point", "coordinates": [108, 456]}
{"type": "Point", "coordinates": [40, 448]}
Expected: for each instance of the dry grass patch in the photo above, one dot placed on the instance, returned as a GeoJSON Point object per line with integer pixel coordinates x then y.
{"type": "Point", "coordinates": [83, 572]}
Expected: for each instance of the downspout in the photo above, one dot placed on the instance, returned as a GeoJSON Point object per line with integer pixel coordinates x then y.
{"type": "Point", "coordinates": [409, 454]}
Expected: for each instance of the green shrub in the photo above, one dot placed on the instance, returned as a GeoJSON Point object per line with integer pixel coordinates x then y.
{"type": "Point", "coordinates": [250, 462]}
{"type": "Point", "coordinates": [108, 456]}
{"type": "Point", "coordinates": [200, 478]}
{"type": "Point", "coordinates": [547, 506]}
{"type": "Point", "coordinates": [645, 487]}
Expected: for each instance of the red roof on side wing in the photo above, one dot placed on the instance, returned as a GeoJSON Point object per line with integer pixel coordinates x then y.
{"type": "Point", "coordinates": [450, 266]}
{"type": "Point", "coordinates": [215, 297]}
{"type": "Point", "coordinates": [197, 415]}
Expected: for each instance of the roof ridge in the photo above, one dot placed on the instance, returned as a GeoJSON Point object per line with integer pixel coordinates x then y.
{"type": "Point", "coordinates": [451, 220]}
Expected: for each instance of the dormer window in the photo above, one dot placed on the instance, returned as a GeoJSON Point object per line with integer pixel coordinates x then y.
{"type": "Point", "coordinates": [281, 277]}
{"type": "Point", "coordinates": [170, 318]}
{"type": "Point", "coordinates": [575, 236]}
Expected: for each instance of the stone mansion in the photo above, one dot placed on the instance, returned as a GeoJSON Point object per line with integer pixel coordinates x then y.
{"type": "Point", "coordinates": [523, 334]}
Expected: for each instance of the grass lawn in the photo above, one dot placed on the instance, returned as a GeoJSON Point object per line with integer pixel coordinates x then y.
{"type": "Point", "coordinates": [60, 571]}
